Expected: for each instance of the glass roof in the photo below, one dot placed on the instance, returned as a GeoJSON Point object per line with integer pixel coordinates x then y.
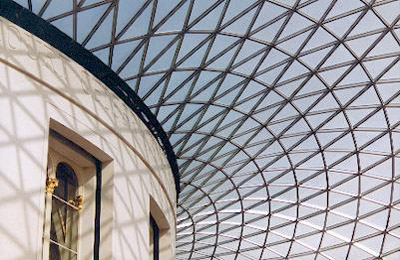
{"type": "Point", "coordinates": [284, 116]}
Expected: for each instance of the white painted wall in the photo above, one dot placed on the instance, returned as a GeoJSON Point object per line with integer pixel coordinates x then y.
{"type": "Point", "coordinates": [37, 84]}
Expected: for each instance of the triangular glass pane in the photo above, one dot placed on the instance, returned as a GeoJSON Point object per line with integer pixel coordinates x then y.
{"type": "Point", "coordinates": [88, 19]}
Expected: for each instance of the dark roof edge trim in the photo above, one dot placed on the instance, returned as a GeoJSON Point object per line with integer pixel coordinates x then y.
{"type": "Point", "coordinates": [59, 40]}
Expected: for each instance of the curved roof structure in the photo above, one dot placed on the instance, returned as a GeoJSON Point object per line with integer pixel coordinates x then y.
{"type": "Point", "coordinates": [283, 114]}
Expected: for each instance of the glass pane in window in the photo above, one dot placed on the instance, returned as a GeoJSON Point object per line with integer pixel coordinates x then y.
{"type": "Point", "coordinates": [64, 215]}
{"type": "Point", "coordinates": [64, 228]}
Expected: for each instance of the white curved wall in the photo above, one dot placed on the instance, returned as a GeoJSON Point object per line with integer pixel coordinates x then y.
{"type": "Point", "coordinates": [37, 84]}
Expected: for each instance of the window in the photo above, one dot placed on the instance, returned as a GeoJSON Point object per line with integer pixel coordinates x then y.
{"type": "Point", "coordinates": [69, 219]}
{"type": "Point", "coordinates": [160, 237]}
{"type": "Point", "coordinates": [154, 239]}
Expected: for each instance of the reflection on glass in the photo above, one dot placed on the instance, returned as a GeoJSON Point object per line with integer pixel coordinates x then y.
{"type": "Point", "coordinates": [64, 216]}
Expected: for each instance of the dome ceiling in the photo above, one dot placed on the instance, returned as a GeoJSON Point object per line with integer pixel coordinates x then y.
{"type": "Point", "coordinates": [284, 116]}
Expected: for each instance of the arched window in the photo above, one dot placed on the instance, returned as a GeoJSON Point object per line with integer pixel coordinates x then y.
{"type": "Point", "coordinates": [71, 226]}
{"type": "Point", "coordinates": [65, 205]}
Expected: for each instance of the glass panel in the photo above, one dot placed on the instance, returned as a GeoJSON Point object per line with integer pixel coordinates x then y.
{"type": "Point", "coordinates": [64, 228]}
{"type": "Point", "coordinates": [64, 215]}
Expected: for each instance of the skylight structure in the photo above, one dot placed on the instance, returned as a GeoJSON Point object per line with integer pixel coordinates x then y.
{"type": "Point", "coordinates": [284, 116]}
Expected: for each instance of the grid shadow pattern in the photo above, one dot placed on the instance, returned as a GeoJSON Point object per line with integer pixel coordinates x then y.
{"type": "Point", "coordinates": [284, 116]}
